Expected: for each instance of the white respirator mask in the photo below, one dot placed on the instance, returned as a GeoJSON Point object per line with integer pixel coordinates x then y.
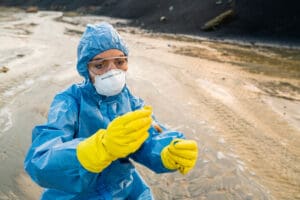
{"type": "Point", "coordinates": [111, 82]}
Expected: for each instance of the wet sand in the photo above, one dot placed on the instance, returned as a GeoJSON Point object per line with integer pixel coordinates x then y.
{"type": "Point", "coordinates": [233, 99]}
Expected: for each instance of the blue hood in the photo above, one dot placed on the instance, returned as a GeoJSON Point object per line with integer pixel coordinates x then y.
{"type": "Point", "coordinates": [97, 39]}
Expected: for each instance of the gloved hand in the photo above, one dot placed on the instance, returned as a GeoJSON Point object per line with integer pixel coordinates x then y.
{"type": "Point", "coordinates": [127, 133]}
{"type": "Point", "coordinates": [180, 155]}
{"type": "Point", "coordinates": [124, 135]}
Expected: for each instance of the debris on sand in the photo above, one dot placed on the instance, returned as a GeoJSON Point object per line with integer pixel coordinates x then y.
{"type": "Point", "coordinates": [4, 69]}
{"type": "Point", "coordinates": [218, 20]}
{"type": "Point", "coordinates": [32, 9]}
{"type": "Point", "coordinates": [162, 19]}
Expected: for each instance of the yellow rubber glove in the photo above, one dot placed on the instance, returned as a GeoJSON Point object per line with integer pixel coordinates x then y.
{"type": "Point", "coordinates": [180, 155]}
{"type": "Point", "coordinates": [123, 136]}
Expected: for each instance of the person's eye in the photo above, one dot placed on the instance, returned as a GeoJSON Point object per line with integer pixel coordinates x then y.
{"type": "Point", "coordinates": [120, 62]}
{"type": "Point", "coordinates": [99, 66]}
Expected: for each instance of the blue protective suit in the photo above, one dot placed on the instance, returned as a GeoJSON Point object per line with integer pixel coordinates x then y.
{"type": "Point", "coordinates": [77, 113]}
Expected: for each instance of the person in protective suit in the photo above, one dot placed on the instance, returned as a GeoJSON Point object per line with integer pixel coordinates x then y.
{"type": "Point", "coordinates": [94, 128]}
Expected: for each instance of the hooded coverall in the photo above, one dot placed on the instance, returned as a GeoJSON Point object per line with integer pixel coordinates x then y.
{"type": "Point", "coordinates": [76, 114]}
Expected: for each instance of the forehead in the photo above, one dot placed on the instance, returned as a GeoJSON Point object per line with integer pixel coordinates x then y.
{"type": "Point", "coordinates": [109, 53]}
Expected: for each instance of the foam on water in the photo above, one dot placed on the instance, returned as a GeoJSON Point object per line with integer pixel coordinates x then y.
{"type": "Point", "coordinates": [14, 90]}
{"type": "Point", "coordinates": [220, 155]}
{"type": "Point", "coordinates": [5, 120]}
{"type": "Point", "coordinates": [221, 141]}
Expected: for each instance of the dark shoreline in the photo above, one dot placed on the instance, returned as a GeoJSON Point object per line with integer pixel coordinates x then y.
{"type": "Point", "coordinates": [251, 24]}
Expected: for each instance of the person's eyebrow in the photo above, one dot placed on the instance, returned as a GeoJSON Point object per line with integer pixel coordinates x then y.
{"type": "Point", "coordinates": [110, 57]}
